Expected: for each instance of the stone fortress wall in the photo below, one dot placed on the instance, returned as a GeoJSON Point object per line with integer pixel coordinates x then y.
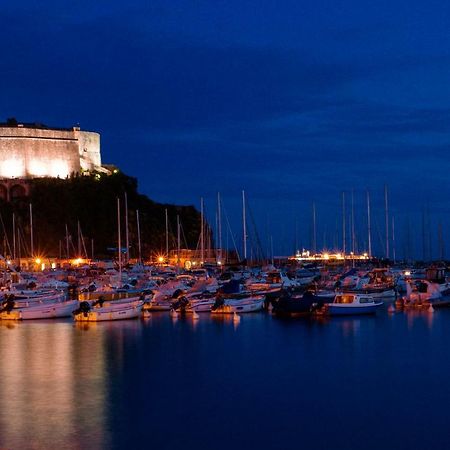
{"type": "Point", "coordinates": [32, 151]}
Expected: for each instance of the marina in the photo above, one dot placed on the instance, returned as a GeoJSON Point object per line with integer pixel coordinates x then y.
{"type": "Point", "coordinates": [129, 383]}
{"type": "Point", "coordinates": [224, 225]}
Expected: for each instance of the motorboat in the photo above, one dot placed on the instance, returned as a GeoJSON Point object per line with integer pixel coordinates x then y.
{"type": "Point", "coordinates": [351, 304]}
{"type": "Point", "coordinates": [39, 311]}
{"type": "Point", "coordinates": [238, 305]}
{"type": "Point", "coordinates": [111, 311]}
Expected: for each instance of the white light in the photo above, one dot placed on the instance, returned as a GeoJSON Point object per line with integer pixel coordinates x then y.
{"type": "Point", "coordinates": [59, 168]}
{"type": "Point", "coordinates": [37, 168]}
{"type": "Point", "coordinates": [12, 168]}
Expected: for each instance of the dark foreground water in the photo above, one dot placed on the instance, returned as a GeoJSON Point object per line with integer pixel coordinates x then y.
{"type": "Point", "coordinates": [347, 383]}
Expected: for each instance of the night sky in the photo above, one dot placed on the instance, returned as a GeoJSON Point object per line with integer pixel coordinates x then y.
{"type": "Point", "coordinates": [292, 101]}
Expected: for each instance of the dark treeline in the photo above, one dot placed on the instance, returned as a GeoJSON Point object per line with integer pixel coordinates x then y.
{"type": "Point", "coordinates": [91, 201]}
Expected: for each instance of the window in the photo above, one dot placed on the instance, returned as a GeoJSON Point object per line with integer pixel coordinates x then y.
{"type": "Point", "coordinates": [344, 299]}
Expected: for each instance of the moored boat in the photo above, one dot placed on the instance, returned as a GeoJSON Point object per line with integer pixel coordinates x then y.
{"type": "Point", "coordinates": [120, 311]}
{"type": "Point", "coordinates": [292, 304]}
{"type": "Point", "coordinates": [231, 306]}
{"type": "Point", "coordinates": [351, 304]}
{"type": "Point", "coordinates": [40, 311]}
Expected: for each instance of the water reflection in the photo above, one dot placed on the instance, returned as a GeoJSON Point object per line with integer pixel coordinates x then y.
{"type": "Point", "coordinates": [416, 317]}
{"type": "Point", "coordinates": [125, 384]}
{"type": "Point", "coordinates": [52, 386]}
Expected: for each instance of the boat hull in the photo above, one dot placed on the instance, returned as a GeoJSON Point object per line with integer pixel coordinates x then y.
{"type": "Point", "coordinates": [347, 310]}
{"type": "Point", "coordinates": [239, 306]}
{"type": "Point", "coordinates": [50, 311]}
{"type": "Point", "coordinates": [131, 311]}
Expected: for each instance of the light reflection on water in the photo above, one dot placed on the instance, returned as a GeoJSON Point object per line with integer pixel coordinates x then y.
{"type": "Point", "coordinates": [150, 383]}
{"type": "Point", "coordinates": [52, 384]}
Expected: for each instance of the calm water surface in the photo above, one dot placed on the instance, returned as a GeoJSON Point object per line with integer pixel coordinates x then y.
{"type": "Point", "coordinates": [348, 383]}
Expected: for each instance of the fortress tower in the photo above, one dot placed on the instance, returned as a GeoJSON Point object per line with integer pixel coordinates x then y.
{"type": "Point", "coordinates": [31, 150]}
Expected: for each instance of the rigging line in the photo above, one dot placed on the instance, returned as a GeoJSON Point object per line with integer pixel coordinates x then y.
{"type": "Point", "coordinates": [5, 234]}
{"type": "Point", "coordinates": [183, 234]}
{"type": "Point", "coordinates": [231, 232]}
{"type": "Point", "coordinates": [23, 240]}
{"type": "Point", "coordinates": [380, 238]}
{"type": "Point", "coordinates": [258, 240]}
{"type": "Point", "coordinates": [83, 243]}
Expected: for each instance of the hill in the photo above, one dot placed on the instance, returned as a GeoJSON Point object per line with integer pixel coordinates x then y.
{"type": "Point", "coordinates": [92, 201]}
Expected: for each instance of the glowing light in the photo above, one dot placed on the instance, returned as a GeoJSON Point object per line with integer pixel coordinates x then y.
{"type": "Point", "coordinates": [59, 168]}
{"type": "Point", "coordinates": [77, 261]}
{"type": "Point", "coordinates": [160, 259]}
{"type": "Point", "coordinates": [37, 168]}
{"type": "Point", "coordinates": [219, 263]}
{"type": "Point", "coordinates": [38, 260]}
{"type": "Point", "coordinates": [12, 168]}
{"type": "Point", "coordinates": [53, 265]}
{"type": "Point", "coordinates": [407, 273]}
{"type": "Point", "coordinates": [326, 256]}
{"type": "Point", "coordinates": [8, 262]}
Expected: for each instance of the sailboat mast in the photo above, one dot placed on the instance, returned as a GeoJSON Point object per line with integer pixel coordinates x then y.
{"type": "Point", "coordinates": [127, 237]}
{"type": "Point", "coordinates": [219, 225]}
{"type": "Point", "coordinates": [202, 232]}
{"type": "Point", "coordinates": [79, 239]}
{"type": "Point", "coordinates": [353, 222]}
{"type": "Point", "coordinates": [244, 225]}
{"type": "Point", "coordinates": [393, 239]}
{"type": "Point", "coordinates": [369, 226]}
{"type": "Point", "coordinates": [167, 233]}
{"type": "Point", "coordinates": [31, 231]}
{"type": "Point", "coordinates": [67, 242]}
{"type": "Point", "coordinates": [14, 235]}
{"type": "Point", "coordinates": [314, 242]}
{"type": "Point", "coordinates": [387, 219]}
{"type": "Point", "coordinates": [343, 222]}
{"type": "Point", "coordinates": [119, 240]}
{"type": "Point", "coordinates": [178, 239]}
{"type": "Point", "coordinates": [139, 235]}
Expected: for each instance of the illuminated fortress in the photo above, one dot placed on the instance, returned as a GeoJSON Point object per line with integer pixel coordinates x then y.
{"type": "Point", "coordinates": [35, 150]}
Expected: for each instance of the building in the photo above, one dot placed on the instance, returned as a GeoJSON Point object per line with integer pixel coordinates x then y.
{"type": "Point", "coordinates": [31, 150]}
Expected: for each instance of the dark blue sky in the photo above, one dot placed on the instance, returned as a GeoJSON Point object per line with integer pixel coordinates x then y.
{"type": "Point", "coordinates": [293, 101]}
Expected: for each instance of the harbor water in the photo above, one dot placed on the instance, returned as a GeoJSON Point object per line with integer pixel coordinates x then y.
{"type": "Point", "coordinates": [263, 383]}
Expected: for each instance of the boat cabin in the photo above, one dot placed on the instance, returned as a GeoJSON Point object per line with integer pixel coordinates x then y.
{"type": "Point", "coordinates": [352, 298]}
